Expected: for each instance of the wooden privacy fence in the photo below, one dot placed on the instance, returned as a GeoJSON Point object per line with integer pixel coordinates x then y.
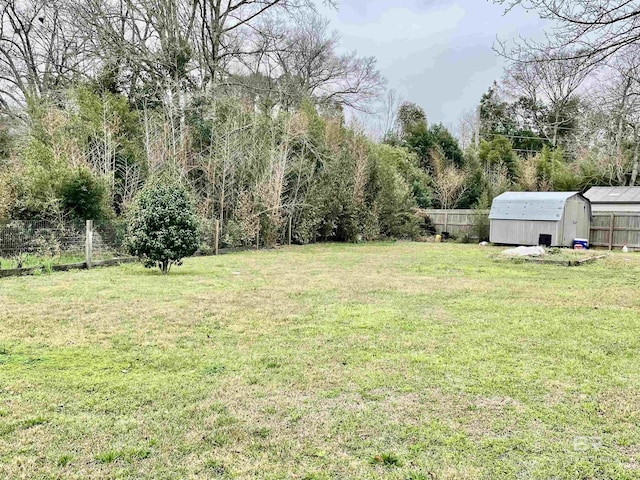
{"type": "Point", "coordinates": [608, 229]}
{"type": "Point", "coordinates": [458, 222]}
{"type": "Point", "coordinates": [615, 230]}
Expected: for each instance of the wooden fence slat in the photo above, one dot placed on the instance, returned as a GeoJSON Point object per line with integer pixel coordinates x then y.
{"type": "Point", "coordinates": [611, 229]}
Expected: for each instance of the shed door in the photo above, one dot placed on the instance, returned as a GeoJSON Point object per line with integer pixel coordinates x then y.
{"type": "Point", "coordinates": [584, 221]}
{"type": "Point", "coordinates": [573, 214]}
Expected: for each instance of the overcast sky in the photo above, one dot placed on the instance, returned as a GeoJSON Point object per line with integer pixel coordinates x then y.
{"type": "Point", "coordinates": [436, 53]}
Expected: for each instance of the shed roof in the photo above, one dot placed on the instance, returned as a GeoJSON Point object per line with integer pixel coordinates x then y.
{"type": "Point", "coordinates": [544, 206]}
{"type": "Point", "coordinates": [613, 194]}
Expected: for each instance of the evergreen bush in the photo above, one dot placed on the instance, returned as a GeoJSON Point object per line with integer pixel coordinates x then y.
{"type": "Point", "coordinates": [163, 227]}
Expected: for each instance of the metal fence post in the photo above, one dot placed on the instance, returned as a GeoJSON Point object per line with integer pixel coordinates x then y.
{"type": "Point", "coordinates": [290, 221]}
{"type": "Point", "coordinates": [88, 243]}
{"type": "Point", "coordinates": [258, 237]}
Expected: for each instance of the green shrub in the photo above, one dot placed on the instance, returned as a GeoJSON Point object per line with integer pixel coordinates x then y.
{"type": "Point", "coordinates": [394, 203]}
{"type": "Point", "coordinates": [232, 235]}
{"type": "Point", "coordinates": [41, 178]}
{"type": "Point", "coordinates": [8, 190]}
{"type": "Point", "coordinates": [481, 224]}
{"type": "Point", "coordinates": [84, 196]}
{"type": "Point", "coordinates": [163, 227]}
{"type": "Point", "coordinates": [427, 226]}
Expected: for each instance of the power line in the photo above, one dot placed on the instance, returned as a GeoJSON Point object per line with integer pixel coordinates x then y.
{"type": "Point", "coordinates": [526, 151]}
{"type": "Point", "coordinates": [519, 136]}
{"type": "Point", "coordinates": [484, 123]}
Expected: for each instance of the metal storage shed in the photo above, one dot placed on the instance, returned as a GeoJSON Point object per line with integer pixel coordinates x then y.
{"type": "Point", "coordinates": [520, 218]}
{"type": "Point", "coordinates": [614, 199]}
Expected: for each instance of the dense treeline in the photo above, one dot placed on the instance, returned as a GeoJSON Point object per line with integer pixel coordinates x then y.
{"type": "Point", "coordinates": [246, 168]}
{"type": "Point", "coordinates": [243, 103]}
{"type": "Point", "coordinates": [240, 101]}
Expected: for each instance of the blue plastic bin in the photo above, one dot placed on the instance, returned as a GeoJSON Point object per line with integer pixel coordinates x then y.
{"type": "Point", "coordinates": [581, 243]}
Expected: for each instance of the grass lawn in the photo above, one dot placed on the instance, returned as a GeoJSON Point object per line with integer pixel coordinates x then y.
{"type": "Point", "coordinates": [402, 361]}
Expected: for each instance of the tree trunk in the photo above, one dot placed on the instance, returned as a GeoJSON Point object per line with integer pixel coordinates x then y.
{"type": "Point", "coordinates": [164, 266]}
{"type": "Point", "coordinates": [555, 131]}
{"type": "Point", "coordinates": [634, 171]}
{"type": "Point", "coordinates": [622, 116]}
{"type": "Point", "coordinates": [221, 201]}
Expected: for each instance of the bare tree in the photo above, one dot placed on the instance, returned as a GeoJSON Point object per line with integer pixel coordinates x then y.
{"type": "Point", "coordinates": [387, 114]}
{"type": "Point", "coordinates": [271, 187]}
{"type": "Point", "coordinates": [528, 178]}
{"type": "Point", "coordinates": [223, 26]}
{"type": "Point", "coordinates": [40, 50]}
{"type": "Point", "coordinates": [547, 88]}
{"type": "Point", "coordinates": [592, 30]}
{"type": "Point", "coordinates": [449, 182]}
{"type": "Point", "coordinates": [144, 43]}
{"type": "Point", "coordinates": [303, 58]}
{"type": "Point", "coordinates": [614, 120]}
{"type": "Point", "coordinates": [468, 128]}
{"type": "Point", "coordinates": [178, 42]}
{"type": "Point", "coordinates": [628, 109]}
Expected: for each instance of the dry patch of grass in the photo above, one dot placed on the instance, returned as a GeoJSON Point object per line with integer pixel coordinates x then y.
{"type": "Point", "coordinates": [405, 361]}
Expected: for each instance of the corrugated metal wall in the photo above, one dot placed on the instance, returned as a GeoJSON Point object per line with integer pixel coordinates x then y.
{"type": "Point", "coordinates": [533, 215]}
{"type": "Point", "coordinates": [524, 232]}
